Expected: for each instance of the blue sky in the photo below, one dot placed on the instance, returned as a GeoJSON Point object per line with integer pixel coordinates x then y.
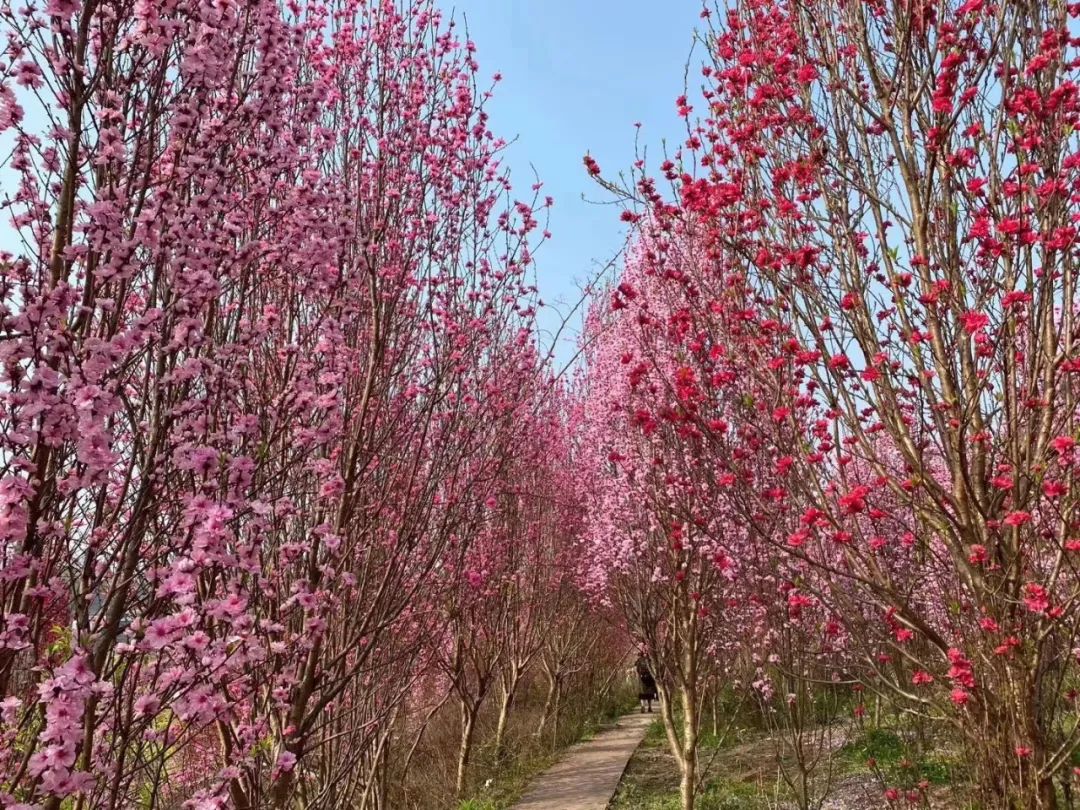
{"type": "Point", "coordinates": [577, 76]}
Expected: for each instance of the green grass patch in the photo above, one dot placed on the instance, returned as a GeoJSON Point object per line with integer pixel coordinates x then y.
{"type": "Point", "coordinates": [478, 804]}
{"type": "Point", "coordinates": [509, 781]}
{"type": "Point", "coordinates": [880, 744]}
{"type": "Point", "coordinates": [655, 734]}
{"type": "Point", "coordinates": [719, 794]}
{"type": "Point", "coordinates": [898, 759]}
{"type": "Point", "coordinates": [939, 770]}
{"type": "Point", "coordinates": [722, 794]}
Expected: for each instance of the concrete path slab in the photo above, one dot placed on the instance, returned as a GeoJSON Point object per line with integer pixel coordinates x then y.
{"type": "Point", "coordinates": [588, 773]}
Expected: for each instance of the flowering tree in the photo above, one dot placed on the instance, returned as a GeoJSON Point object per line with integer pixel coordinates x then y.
{"type": "Point", "coordinates": [542, 509]}
{"type": "Point", "coordinates": [129, 345]}
{"type": "Point", "coordinates": [662, 542]}
{"type": "Point", "coordinates": [252, 340]}
{"type": "Point", "coordinates": [887, 190]}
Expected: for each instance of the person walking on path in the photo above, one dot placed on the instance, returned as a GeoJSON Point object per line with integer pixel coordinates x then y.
{"type": "Point", "coordinates": [647, 691]}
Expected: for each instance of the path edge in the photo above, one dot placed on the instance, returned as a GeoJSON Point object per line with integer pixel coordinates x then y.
{"type": "Point", "coordinates": [626, 765]}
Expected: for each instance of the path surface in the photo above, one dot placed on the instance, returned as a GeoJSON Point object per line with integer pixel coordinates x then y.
{"type": "Point", "coordinates": [588, 774]}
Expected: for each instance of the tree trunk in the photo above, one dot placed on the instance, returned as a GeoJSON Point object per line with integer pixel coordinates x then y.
{"type": "Point", "coordinates": [549, 701]}
{"type": "Point", "coordinates": [555, 716]}
{"type": "Point", "coordinates": [715, 712]}
{"type": "Point", "coordinates": [509, 690]}
{"type": "Point", "coordinates": [683, 746]}
{"type": "Point", "coordinates": [420, 736]}
{"type": "Point", "coordinates": [688, 784]}
{"type": "Point", "coordinates": [688, 760]}
{"type": "Point", "coordinates": [468, 727]}
{"type": "Point", "coordinates": [373, 789]}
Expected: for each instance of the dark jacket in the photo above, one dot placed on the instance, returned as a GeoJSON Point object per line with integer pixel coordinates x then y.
{"type": "Point", "coordinates": [648, 683]}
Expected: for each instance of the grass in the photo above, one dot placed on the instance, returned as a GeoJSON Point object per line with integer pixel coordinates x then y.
{"type": "Point", "coordinates": [652, 778]}
{"type": "Point", "coordinates": [509, 781]}
{"type": "Point", "coordinates": [879, 744]}
{"type": "Point", "coordinates": [478, 804]}
{"type": "Point", "coordinates": [898, 759]}
{"type": "Point", "coordinates": [742, 771]}
{"type": "Point", "coordinates": [724, 794]}
{"type": "Point", "coordinates": [716, 796]}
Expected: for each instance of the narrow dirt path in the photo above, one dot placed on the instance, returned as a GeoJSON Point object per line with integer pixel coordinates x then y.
{"type": "Point", "coordinates": [588, 774]}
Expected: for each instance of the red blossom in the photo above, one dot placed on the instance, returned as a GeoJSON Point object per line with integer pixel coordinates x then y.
{"type": "Point", "coordinates": [974, 321]}
{"type": "Point", "coordinates": [854, 501]}
{"type": "Point", "coordinates": [1036, 598]}
{"type": "Point", "coordinates": [1017, 518]}
{"type": "Point", "coordinates": [1063, 445]}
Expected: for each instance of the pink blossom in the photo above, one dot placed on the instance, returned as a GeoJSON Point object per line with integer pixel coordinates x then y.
{"type": "Point", "coordinates": [1017, 518]}
{"type": "Point", "coordinates": [286, 761]}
